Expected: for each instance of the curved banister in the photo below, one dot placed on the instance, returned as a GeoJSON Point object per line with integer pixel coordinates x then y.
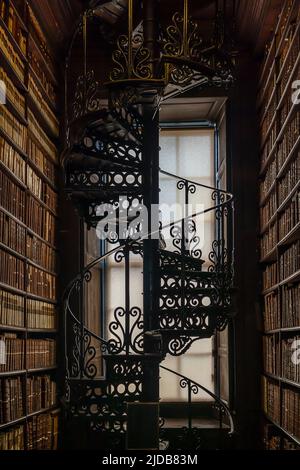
{"type": "Point", "coordinates": [128, 243]}
{"type": "Point", "coordinates": [211, 394]}
{"type": "Point", "coordinates": [163, 172]}
{"type": "Point", "coordinates": [84, 274]}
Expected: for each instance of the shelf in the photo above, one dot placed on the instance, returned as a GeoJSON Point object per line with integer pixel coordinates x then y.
{"type": "Point", "coordinates": [285, 29]}
{"type": "Point", "coordinates": [42, 120]}
{"type": "Point", "coordinates": [43, 299]}
{"type": "Point", "coordinates": [28, 416]}
{"type": "Point", "coordinates": [22, 24]}
{"type": "Point", "coordinates": [40, 238]}
{"type": "Point", "coordinates": [42, 203]}
{"type": "Point", "coordinates": [12, 252]}
{"type": "Point", "coordinates": [290, 436]}
{"type": "Point", "coordinates": [13, 372]}
{"type": "Point", "coordinates": [268, 160]}
{"type": "Point", "coordinates": [290, 329]}
{"type": "Point", "coordinates": [282, 380]}
{"type": "Point", "coordinates": [292, 236]}
{"type": "Point", "coordinates": [270, 222]}
{"type": "Point", "coordinates": [23, 293]}
{"type": "Point", "coordinates": [284, 203]}
{"type": "Point", "coordinates": [269, 257]}
{"type": "Point", "coordinates": [270, 289]}
{"type": "Point", "coordinates": [268, 194]}
{"type": "Point", "coordinates": [45, 63]}
{"type": "Point", "coordinates": [21, 329]}
{"type": "Point", "coordinates": [12, 143]}
{"type": "Point", "coordinates": [41, 175]}
{"type": "Point", "coordinates": [13, 290]}
{"type": "Point", "coordinates": [18, 115]}
{"type": "Point", "coordinates": [272, 45]}
{"type": "Point", "coordinates": [286, 122]}
{"type": "Point", "coordinates": [286, 58]}
{"type": "Point", "coordinates": [13, 42]}
{"type": "Point", "coordinates": [36, 265]}
{"type": "Point", "coordinates": [12, 328]}
{"type": "Point", "coordinates": [41, 331]}
{"type": "Point", "coordinates": [268, 105]}
{"type": "Point", "coordinates": [42, 89]}
{"type": "Point", "coordinates": [12, 175]}
{"type": "Point", "coordinates": [5, 211]}
{"type": "Point", "coordinates": [288, 159]}
{"type": "Point", "coordinates": [41, 369]}
{"type": "Point", "coordinates": [291, 279]}
{"type": "Point", "coordinates": [13, 74]}
{"type": "Point", "coordinates": [268, 131]}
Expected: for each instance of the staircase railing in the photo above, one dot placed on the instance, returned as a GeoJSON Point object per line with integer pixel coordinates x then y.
{"type": "Point", "coordinates": [193, 389]}
{"type": "Point", "coordinates": [223, 199]}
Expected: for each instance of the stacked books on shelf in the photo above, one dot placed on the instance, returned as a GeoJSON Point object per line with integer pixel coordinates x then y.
{"type": "Point", "coordinates": [12, 309]}
{"type": "Point", "coordinates": [12, 93]}
{"type": "Point", "coordinates": [29, 128]}
{"type": "Point", "coordinates": [13, 439]}
{"type": "Point", "coordinates": [10, 53]}
{"type": "Point", "coordinates": [13, 128]}
{"type": "Point", "coordinates": [12, 160]}
{"type": "Point", "coordinates": [280, 226]}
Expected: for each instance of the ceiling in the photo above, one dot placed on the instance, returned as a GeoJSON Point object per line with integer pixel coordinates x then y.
{"type": "Point", "coordinates": [256, 19]}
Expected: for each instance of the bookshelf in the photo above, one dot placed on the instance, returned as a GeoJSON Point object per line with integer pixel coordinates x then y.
{"type": "Point", "coordinates": [29, 133]}
{"type": "Point", "coordinates": [280, 231]}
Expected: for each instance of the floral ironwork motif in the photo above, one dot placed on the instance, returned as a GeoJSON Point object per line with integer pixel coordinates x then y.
{"type": "Point", "coordinates": [87, 95]}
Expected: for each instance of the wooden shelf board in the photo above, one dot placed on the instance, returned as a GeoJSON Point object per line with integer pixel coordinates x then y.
{"type": "Point", "coordinates": [290, 436]}
{"type": "Point", "coordinates": [13, 74]}
{"type": "Point", "coordinates": [288, 199]}
{"type": "Point", "coordinates": [268, 194]}
{"type": "Point", "coordinates": [13, 143]}
{"type": "Point", "coordinates": [41, 175]}
{"type": "Point", "coordinates": [12, 328]}
{"type": "Point", "coordinates": [13, 372]}
{"type": "Point", "coordinates": [12, 175]}
{"type": "Point", "coordinates": [292, 236]}
{"type": "Point", "coordinates": [28, 416]}
{"type": "Point", "coordinates": [42, 120]}
{"type": "Point", "coordinates": [291, 279]}
{"type": "Point", "coordinates": [270, 289]}
{"type": "Point", "coordinates": [269, 257]}
{"type": "Point", "coordinates": [42, 90]}
{"type": "Point", "coordinates": [289, 158]}
{"type": "Point", "coordinates": [13, 41]}
{"type": "Point", "coordinates": [45, 63]}
{"type": "Point", "coordinates": [41, 369]}
{"type": "Point", "coordinates": [15, 111]}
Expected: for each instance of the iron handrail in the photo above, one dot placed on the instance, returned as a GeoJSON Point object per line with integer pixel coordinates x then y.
{"type": "Point", "coordinates": [221, 402]}
{"type": "Point", "coordinates": [85, 272]}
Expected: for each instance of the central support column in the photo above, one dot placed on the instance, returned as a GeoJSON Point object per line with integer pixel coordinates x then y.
{"type": "Point", "coordinates": [151, 245]}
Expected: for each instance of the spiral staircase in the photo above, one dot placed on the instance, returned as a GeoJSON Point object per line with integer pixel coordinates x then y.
{"type": "Point", "coordinates": [112, 383]}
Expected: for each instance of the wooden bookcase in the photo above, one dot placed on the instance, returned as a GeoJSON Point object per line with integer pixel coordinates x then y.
{"type": "Point", "coordinates": [29, 133]}
{"type": "Point", "coordinates": [280, 230]}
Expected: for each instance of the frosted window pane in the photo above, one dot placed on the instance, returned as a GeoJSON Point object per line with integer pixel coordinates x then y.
{"type": "Point", "coordinates": [195, 155]}
{"type": "Point", "coordinates": [168, 153]}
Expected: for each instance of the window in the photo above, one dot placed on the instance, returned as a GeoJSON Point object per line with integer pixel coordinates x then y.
{"type": "Point", "coordinates": [189, 154]}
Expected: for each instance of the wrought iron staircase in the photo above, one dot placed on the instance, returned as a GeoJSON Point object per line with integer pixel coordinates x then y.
{"type": "Point", "coordinates": [111, 165]}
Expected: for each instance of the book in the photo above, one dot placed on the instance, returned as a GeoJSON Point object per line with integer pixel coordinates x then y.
{"type": "Point", "coordinates": [13, 439]}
